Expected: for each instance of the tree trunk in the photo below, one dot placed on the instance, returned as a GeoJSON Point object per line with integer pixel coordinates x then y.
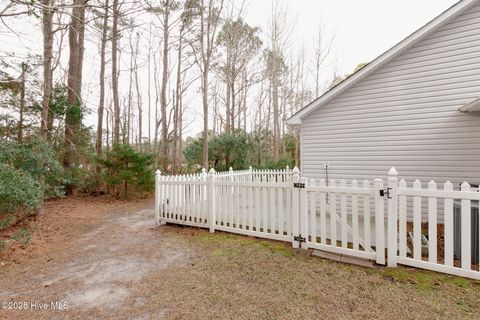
{"type": "Point", "coordinates": [108, 130]}
{"type": "Point", "coordinates": [157, 99]}
{"type": "Point", "coordinates": [163, 94]}
{"type": "Point", "coordinates": [116, 102]}
{"type": "Point", "coordinates": [228, 108]}
{"type": "Point", "coordinates": [205, 119]}
{"type": "Point", "coordinates": [22, 104]}
{"type": "Point", "coordinates": [177, 111]}
{"type": "Point", "coordinates": [148, 90]}
{"type": "Point", "coordinates": [276, 123]}
{"type": "Point", "coordinates": [47, 21]}
{"type": "Point", "coordinates": [130, 97]}
{"type": "Point", "coordinates": [139, 98]}
{"type": "Point", "coordinates": [73, 116]}
{"type": "Point", "coordinates": [101, 104]}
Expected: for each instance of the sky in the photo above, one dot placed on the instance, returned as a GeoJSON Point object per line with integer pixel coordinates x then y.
{"type": "Point", "coordinates": [362, 30]}
{"type": "Point", "coordinates": [359, 32]}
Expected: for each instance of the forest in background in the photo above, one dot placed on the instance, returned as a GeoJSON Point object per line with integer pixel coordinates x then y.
{"type": "Point", "coordinates": [163, 66]}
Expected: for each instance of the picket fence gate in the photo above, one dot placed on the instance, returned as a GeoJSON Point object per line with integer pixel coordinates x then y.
{"type": "Point", "coordinates": [377, 220]}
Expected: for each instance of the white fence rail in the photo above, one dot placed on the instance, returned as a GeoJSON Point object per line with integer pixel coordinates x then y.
{"type": "Point", "coordinates": [375, 220]}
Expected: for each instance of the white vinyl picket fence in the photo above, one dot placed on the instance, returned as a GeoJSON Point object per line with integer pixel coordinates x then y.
{"type": "Point", "coordinates": [384, 222]}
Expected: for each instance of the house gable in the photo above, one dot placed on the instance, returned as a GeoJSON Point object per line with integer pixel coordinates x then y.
{"type": "Point", "coordinates": [404, 45]}
{"type": "Point", "coordinates": [405, 113]}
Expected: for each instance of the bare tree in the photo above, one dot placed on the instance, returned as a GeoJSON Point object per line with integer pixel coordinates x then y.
{"type": "Point", "coordinates": [203, 54]}
{"type": "Point", "coordinates": [321, 53]}
{"type": "Point", "coordinates": [73, 117]}
{"type": "Point", "coordinates": [138, 94]}
{"type": "Point", "coordinates": [240, 43]}
{"type": "Point", "coordinates": [279, 32]}
{"type": "Point", "coordinates": [168, 7]}
{"type": "Point", "coordinates": [47, 22]}
{"type": "Point", "coordinates": [101, 103]}
{"type": "Point", "coordinates": [116, 99]}
{"type": "Point", "coordinates": [22, 103]}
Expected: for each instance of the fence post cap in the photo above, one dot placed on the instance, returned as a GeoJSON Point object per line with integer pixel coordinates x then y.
{"type": "Point", "coordinates": [204, 170]}
{"type": "Point", "coordinates": [250, 168]}
{"type": "Point", "coordinates": [287, 167]}
{"type": "Point", "coordinates": [230, 169]}
{"type": "Point", "coordinates": [296, 170]}
{"type": "Point", "coordinates": [158, 172]}
{"type": "Point", "coordinates": [212, 171]}
{"type": "Point", "coordinates": [392, 172]}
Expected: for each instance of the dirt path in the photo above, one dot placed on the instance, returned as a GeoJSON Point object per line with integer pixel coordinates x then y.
{"type": "Point", "coordinates": [93, 267]}
{"type": "Point", "coordinates": [107, 260]}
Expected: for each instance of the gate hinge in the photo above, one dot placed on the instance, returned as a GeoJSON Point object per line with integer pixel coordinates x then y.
{"type": "Point", "coordinates": [386, 192]}
{"type": "Point", "coordinates": [299, 185]}
{"type": "Point", "coordinates": [299, 238]}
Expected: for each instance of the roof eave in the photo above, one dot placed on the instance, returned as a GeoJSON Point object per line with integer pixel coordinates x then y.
{"type": "Point", "coordinates": [294, 121]}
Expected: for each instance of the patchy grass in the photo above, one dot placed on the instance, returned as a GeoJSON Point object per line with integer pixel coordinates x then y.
{"type": "Point", "coordinates": [6, 221]}
{"type": "Point", "coordinates": [276, 248]}
{"type": "Point", "coordinates": [423, 280]}
{"type": "Point", "coordinates": [24, 236]}
{"type": "Point", "coordinates": [242, 277]}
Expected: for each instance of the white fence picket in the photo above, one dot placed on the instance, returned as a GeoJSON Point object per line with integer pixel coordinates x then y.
{"type": "Point", "coordinates": [265, 209]}
{"type": "Point", "coordinates": [355, 244]}
{"type": "Point", "coordinates": [379, 222]}
{"type": "Point", "coordinates": [332, 202]}
{"type": "Point", "coordinates": [448, 226]}
{"type": "Point", "coordinates": [366, 219]}
{"type": "Point", "coordinates": [466, 231]}
{"type": "Point", "coordinates": [257, 204]}
{"type": "Point", "coordinates": [250, 210]}
{"type": "Point", "coordinates": [343, 210]}
{"type": "Point", "coordinates": [289, 205]}
{"type": "Point", "coordinates": [281, 218]}
{"type": "Point", "coordinates": [417, 223]}
{"type": "Point", "coordinates": [272, 211]}
{"type": "Point", "coordinates": [313, 214]}
{"type": "Point", "coordinates": [402, 221]}
{"type": "Point", "coordinates": [323, 214]}
{"type": "Point", "coordinates": [432, 225]}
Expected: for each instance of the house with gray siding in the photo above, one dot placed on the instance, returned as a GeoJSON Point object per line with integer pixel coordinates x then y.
{"type": "Point", "coordinates": [416, 108]}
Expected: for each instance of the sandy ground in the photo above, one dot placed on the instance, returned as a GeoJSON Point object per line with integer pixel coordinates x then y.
{"type": "Point", "coordinates": [105, 259]}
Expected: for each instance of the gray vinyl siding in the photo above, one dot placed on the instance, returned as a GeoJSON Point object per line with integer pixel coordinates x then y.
{"type": "Point", "coordinates": [405, 115]}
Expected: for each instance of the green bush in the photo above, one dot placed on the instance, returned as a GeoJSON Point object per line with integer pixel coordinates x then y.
{"type": "Point", "coordinates": [18, 190]}
{"type": "Point", "coordinates": [123, 168]}
{"type": "Point", "coordinates": [224, 151]}
{"type": "Point", "coordinates": [37, 159]}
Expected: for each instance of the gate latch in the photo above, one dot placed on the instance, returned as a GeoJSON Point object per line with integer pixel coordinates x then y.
{"type": "Point", "coordinates": [299, 185]}
{"type": "Point", "coordinates": [299, 238]}
{"type": "Point", "coordinates": [386, 192]}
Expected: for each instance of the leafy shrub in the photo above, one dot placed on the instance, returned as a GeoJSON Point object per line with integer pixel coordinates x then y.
{"type": "Point", "coordinates": [125, 168]}
{"type": "Point", "coordinates": [224, 151]}
{"type": "Point", "coordinates": [37, 159]}
{"type": "Point", "coordinates": [18, 190]}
